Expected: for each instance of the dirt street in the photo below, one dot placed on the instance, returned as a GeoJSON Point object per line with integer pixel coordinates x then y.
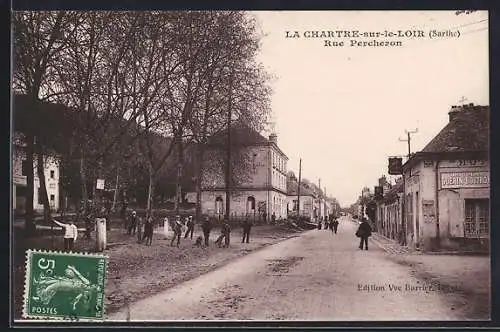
{"type": "Point", "coordinates": [316, 276]}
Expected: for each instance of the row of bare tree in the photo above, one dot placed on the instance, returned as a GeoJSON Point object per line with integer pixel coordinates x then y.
{"type": "Point", "coordinates": [132, 76]}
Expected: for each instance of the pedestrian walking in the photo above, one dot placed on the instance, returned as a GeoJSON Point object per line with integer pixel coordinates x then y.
{"type": "Point", "coordinates": [70, 234]}
{"type": "Point", "coordinates": [264, 216]}
{"type": "Point", "coordinates": [190, 227]}
{"type": "Point", "coordinates": [273, 218]}
{"type": "Point", "coordinates": [206, 227]}
{"type": "Point", "coordinates": [132, 223]}
{"type": "Point", "coordinates": [364, 232]}
{"type": "Point", "coordinates": [247, 226]}
{"type": "Point", "coordinates": [148, 231]}
{"type": "Point", "coordinates": [177, 231]}
{"type": "Point", "coordinates": [319, 224]}
{"type": "Point", "coordinates": [335, 224]}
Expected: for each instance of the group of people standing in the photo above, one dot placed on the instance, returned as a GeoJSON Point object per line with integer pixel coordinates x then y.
{"type": "Point", "coordinates": [135, 224]}
{"type": "Point", "coordinates": [330, 223]}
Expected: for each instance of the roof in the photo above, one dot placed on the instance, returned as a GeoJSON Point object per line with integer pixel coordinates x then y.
{"type": "Point", "coordinates": [465, 136]}
{"type": "Point", "coordinates": [292, 186]}
{"type": "Point", "coordinates": [243, 135]}
{"type": "Point", "coordinates": [240, 134]}
{"type": "Point", "coordinates": [468, 130]}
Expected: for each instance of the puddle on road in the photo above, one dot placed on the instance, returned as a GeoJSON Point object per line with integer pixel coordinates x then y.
{"type": "Point", "coordinates": [283, 265]}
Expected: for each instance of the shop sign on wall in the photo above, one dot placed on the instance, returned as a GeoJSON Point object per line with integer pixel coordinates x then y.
{"type": "Point", "coordinates": [465, 179]}
{"type": "Point", "coordinates": [428, 211]}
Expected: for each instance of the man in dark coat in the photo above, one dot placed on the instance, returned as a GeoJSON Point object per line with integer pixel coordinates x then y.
{"type": "Point", "coordinates": [132, 223]}
{"type": "Point", "coordinates": [190, 227]}
{"type": "Point", "coordinates": [177, 231]}
{"type": "Point", "coordinates": [247, 225]}
{"type": "Point", "coordinates": [364, 232]}
{"type": "Point", "coordinates": [206, 227]}
{"type": "Point", "coordinates": [335, 224]}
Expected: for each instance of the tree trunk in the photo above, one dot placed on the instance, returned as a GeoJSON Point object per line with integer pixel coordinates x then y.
{"type": "Point", "coordinates": [199, 180]}
{"type": "Point", "coordinates": [83, 178]}
{"type": "Point", "coordinates": [115, 196]}
{"type": "Point", "coordinates": [29, 225]}
{"type": "Point", "coordinates": [41, 179]}
{"type": "Point", "coordinates": [149, 205]}
{"type": "Point", "coordinates": [180, 158]}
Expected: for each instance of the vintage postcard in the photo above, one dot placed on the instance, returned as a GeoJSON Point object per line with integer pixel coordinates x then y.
{"type": "Point", "coordinates": [250, 166]}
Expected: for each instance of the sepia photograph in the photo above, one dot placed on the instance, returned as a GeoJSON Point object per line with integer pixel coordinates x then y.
{"type": "Point", "coordinates": [230, 165]}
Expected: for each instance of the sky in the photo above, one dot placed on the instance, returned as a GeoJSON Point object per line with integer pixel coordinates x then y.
{"type": "Point", "coordinates": [343, 109]}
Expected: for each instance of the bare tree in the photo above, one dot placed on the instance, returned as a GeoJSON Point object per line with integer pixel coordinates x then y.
{"type": "Point", "coordinates": [38, 41]}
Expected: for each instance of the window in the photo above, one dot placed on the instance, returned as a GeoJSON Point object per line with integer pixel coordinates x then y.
{"type": "Point", "coordinates": [52, 174]}
{"type": "Point", "coordinates": [52, 198]}
{"type": "Point", "coordinates": [477, 218]}
{"type": "Point", "coordinates": [24, 168]}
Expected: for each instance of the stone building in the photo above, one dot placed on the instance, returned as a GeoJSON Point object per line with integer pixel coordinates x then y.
{"type": "Point", "coordinates": [20, 169]}
{"type": "Point", "coordinates": [308, 198]}
{"type": "Point", "coordinates": [447, 185]}
{"type": "Point", "coordinates": [260, 170]}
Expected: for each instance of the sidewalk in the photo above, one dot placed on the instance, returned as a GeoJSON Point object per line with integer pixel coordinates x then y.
{"type": "Point", "coordinates": [452, 272]}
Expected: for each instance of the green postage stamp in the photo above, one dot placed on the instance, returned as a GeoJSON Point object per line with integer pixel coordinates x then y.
{"type": "Point", "coordinates": [61, 285]}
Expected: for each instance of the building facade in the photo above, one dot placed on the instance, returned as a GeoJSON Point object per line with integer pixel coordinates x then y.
{"type": "Point", "coordinates": [447, 185]}
{"type": "Point", "coordinates": [20, 169]}
{"type": "Point", "coordinates": [261, 191]}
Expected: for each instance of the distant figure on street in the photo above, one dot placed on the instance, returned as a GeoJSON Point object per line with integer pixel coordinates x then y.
{"type": "Point", "coordinates": [319, 224]}
{"type": "Point", "coordinates": [364, 232]}
{"type": "Point", "coordinates": [70, 234]}
{"type": "Point", "coordinates": [264, 216]}
{"type": "Point", "coordinates": [148, 231]}
{"type": "Point", "coordinates": [177, 231]}
{"type": "Point", "coordinates": [206, 227]}
{"type": "Point", "coordinates": [335, 224]}
{"type": "Point", "coordinates": [273, 218]}
{"type": "Point", "coordinates": [190, 227]}
{"type": "Point", "coordinates": [247, 226]}
{"type": "Point", "coordinates": [325, 221]}
{"type": "Point", "coordinates": [132, 223]}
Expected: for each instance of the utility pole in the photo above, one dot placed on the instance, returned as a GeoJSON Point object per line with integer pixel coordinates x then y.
{"type": "Point", "coordinates": [298, 189]}
{"type": "Point", "coordinates": [319, 198]}
{"type": "Point", "coordinates": [403, 209]}
{"type": "Point", "coordinates": [408, 139]}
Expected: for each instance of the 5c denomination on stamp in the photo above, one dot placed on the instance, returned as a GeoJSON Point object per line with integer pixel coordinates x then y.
{"type": "Point", "coordinates": [61, 285]}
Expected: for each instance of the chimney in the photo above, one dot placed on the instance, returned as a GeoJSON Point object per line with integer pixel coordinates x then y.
{"type": "Point", "coordinates": [454, 111]}
{"type": "Point", "coordinates": [273, 138]}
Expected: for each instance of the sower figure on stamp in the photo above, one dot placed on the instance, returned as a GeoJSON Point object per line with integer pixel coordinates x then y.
{"type": "Point", "coordinates": [247, 225]}
{"type": "Point", "coordinates": [364, 232]}
{"type": "Point", "coordinates": [206, 227]}
{"type": "Point", "coordinates": [177, 231]}
{"type": "Point", "coordinates": [190, 227]}
{"type": "Point", "coordinates": [70, 234]}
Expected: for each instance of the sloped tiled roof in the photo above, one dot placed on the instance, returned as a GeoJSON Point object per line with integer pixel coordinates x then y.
{"type": "Point", "coordinates": [292, 186]}
{"type": "Point", "coordinates": [468, 130]}
{"type": "Point", "coordinates": [240, 134]}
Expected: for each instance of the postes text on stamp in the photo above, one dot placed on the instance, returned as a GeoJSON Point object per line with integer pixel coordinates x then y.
{"type": "Point", "coordinates": [61, 285]}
